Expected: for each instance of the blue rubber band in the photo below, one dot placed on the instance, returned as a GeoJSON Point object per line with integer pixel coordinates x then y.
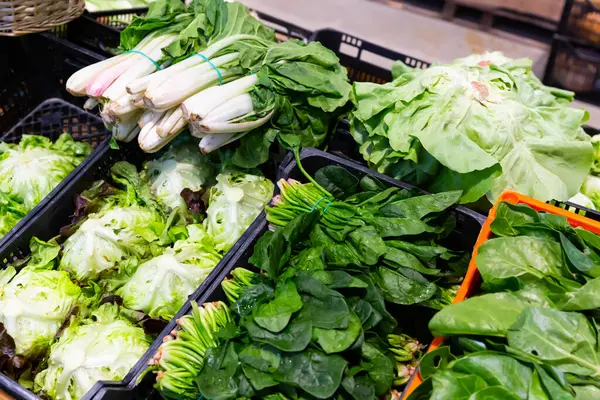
{"type": "Point", "coordinates": [145, 55]}
{"type": "Point", "coordinates": [317, 203]}
{"type": "Point", "coordinates": [212, 65]}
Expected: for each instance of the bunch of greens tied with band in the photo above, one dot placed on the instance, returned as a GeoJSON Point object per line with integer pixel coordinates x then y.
{"type": "Point", "coordinates": [222, 75]}
{"type": "Point", "coordinates": [533, 332]}
{"type": "Point", "coordinates": [31, 169]}
{"type": "Point", "coordinates": [393, 233]}
{"type": "Point", "coordinates": [317, 321]}
{"type": "Point", "coordinates": [77, 310]}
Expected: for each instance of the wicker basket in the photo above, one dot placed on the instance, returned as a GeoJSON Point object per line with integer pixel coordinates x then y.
{"type": "Point", "coordinates": [19, 17]}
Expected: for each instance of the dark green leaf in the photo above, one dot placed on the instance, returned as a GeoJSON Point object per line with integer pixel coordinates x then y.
{"type": "Point", "coordinates": [263, 358]}
{"type": "Point", "coordinates": [420, 206]}
{"type": "Point", "coordinates": [338, 340]}
{"type": "Point", "coordinates": [318, 374]}
{"type": "Point", "coordinates": [337, 181]}
{"type": "Point", "coordinates": [455, 385]}
{"type": "Point", "coordinates": [587, 264]}
{"type": "Point", "coordinates": [434, 361]}
{"type": "Point", "coordinates": [379, 367]}
{"type": "Point", "coordinates": [368, 244]}
{"type": "Point", "coordinates": [397, 257]}
{"type": "Point", "coordinates": [510, 216]}
{"type": "Point", "coordinates": [359, 387]}
{"type": "Point", "coordinates": [295, 337]}
{"type": "Point", "coordinates": [399, 289]}
{"type": "Point", "coordinates": [394, 227]}
{"type": "Point", "coordinates": [276, 314]}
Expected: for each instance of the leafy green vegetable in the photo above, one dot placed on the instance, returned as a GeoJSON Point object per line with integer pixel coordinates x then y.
{"type": "Point", "coordinates": [30, 169]}
{"type": "Point", "coordinates": [36, 301]}
{"type": "Point", "coordinates": [234, 202]}
{"type": "Point", "coordinates": [125, 225]}
{"type": "Point", "coordinates": [103, 347]}
{"type": "Point", "coordinates": [180, 167]}
{"type": "Point", "coordinates": [159, 287]}
{"type": "Point", "coordinates": [480, 124]}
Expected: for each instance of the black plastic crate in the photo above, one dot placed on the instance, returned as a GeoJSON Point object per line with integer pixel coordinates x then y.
{"type": "Point", "coordinates": [365, 61]}
{"type": "Point", "coordinates": [37, 69]}
{"type": "Point", "coordinates": [57, 212]}
{"type": "Point", "coordinates": [468, 225]}
{"type": "Point", "coordinates": [575, 66]}
{"type": "Point", "coordinates": [99, 31]}
{"type": "Point", "coordinates": [50, 119]}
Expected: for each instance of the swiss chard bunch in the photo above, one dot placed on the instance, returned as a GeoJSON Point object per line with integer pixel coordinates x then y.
{"type": "Point", "coordinates": [394, 235]}
{"type": "Point", "coordinates": [539, 276]}
{"type": "Point", "coordinates": [300, 329]}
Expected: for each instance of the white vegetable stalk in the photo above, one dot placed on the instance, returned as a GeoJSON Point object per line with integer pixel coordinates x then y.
{"type": "Point", "coordinates": [170, 122]}
{"type": "Point", "coordinates": [210, 143]}
{"type": "Point", "coordinates": [157, 79]}
{"type": "Point", "coordinates": [101, 82]}
{"type": "Point", "coordinates": [201, 104]}
{"type": "Point", "coordinates": [126, 131]}
{"type": "Point", "coordinates": [175, 90]}
{"type": "Point", "coordinates": [217, 127]}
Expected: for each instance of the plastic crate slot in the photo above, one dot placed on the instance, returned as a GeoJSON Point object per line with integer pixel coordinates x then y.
{"type": "Point", "coordinates": [350, 50]}
{"type": "Point", "coordinates": [376, 59]}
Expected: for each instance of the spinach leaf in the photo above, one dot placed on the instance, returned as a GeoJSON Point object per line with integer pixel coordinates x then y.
{"type": "Point", "coordinates": [589, 264]}
{"type": "Point", "coordinates": [524, 257]}
{"type": "Point", "coordinates": [435, 360]}
{"type": "Point", "coordinates": [263, 358]}
{"type": "Point", "coordinates": [455, 385]}
{"type": "Point", "coordinates": [379, 367]}
{"type": "Point", "coordinates": [368, 244]}
{"type": "Point", "coordinates": [420, 206]}
{"type": "Point", "coordinates": [309, 260]}
{"type": "Point", "coordinates": [258, 379]}
{"type": "Point", "coordinates": [359, 387]}
{"type": "Point", "coordinates": [314, 372]}
{"type": "Point", "coordinates": [496, 313]}
{"type": "Point", "coordinates": [587, 392]}
{"type": "Point", "coordinates": [276, 314]}
{"type": "Point", "coordinates": [494, 392]}
{"type": "Point", "coordinates": [318, 297]}
{"type": "Point", "coordinates": [394, 227]}
{"type": "Point", "coordinates": [399, 289]}
{"type": "Point", "coordinates": [497, 369]}
{"type": "Point", "coordinates": [552, 388]}
{"type": "Point", "coordinates": [585, 298]}
{"type": "Point", "coordinates": [295, 337]}
{"type": "Point", "coordinates": [424, 252]}
{"type": "Point", "coordinates": [397, 257]}
{"type": "Point", "coordinates": [220, 377]}
{"type": "Point", "coordinates": [510, 216]}
{"type": "Point", "coordinates": [270, 253]}
{"type": "Point", "coordinates": [251, 297]}
{"type": "Point", "coordinates": [338, 340]}
{"type": "Point", "coordinates": [337, 181]}
{"type": "Point", "coordinates": [563, 339]}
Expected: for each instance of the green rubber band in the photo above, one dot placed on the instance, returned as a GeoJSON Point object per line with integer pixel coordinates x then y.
{"type": "Point", "coordinates": [212, 65]}
{"type": "Point", "coordinates": [317, 203]}
{"type": "Point", "coordinates": [145, 55]}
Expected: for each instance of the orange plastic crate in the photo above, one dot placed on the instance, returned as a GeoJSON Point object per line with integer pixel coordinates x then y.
{"type": "Point", "coordinates": [472, 279]}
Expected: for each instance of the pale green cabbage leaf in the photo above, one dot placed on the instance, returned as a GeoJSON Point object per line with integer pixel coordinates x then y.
{"type": "Point", "coordinates": [161, 285]}
{"type": "Point", "coordinates": [180, 167]}
{"type": "Point", "coordinates": [35, 166]}
{"type": "Point", "coordinates": [234, 202]}
{"type": "Point", "coordinates": [36, 301]}
{"type": "Point", "coordinates": [482, 124]}
{"type": "Point", "coordinates": [101, 348]}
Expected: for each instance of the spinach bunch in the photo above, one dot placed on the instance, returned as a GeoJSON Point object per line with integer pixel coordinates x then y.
{"type": "Point", "coordinates": [391, 234]}
{"type": "Point", "coordinates": [534, 333]}
{"type": "Point", "coordinates": [304, 330]}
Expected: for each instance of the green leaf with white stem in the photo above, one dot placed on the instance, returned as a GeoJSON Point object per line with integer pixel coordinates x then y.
{"type": "Point", "coordinates": [170, 14]}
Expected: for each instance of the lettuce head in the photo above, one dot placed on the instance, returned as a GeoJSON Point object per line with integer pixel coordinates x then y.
{"type": "Point", "coordinates": [35, 166]}
{"type": "Point", "coordinates": [481, 124]}
{"type": "Point", "coordinates": [234, 202]}
{"type": "Point", "coordinates": [181, 167]}
{"type": "Point", "coordinates": [126, 223]}
{"type": "Point", "coordinates": [103, 347]}
{"type": "Point", "coordinates": [12, 210]}
{"type": "Point", "coordinates": [36, 301]}
{"type": "Point", "coordinates": [161, 285]}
